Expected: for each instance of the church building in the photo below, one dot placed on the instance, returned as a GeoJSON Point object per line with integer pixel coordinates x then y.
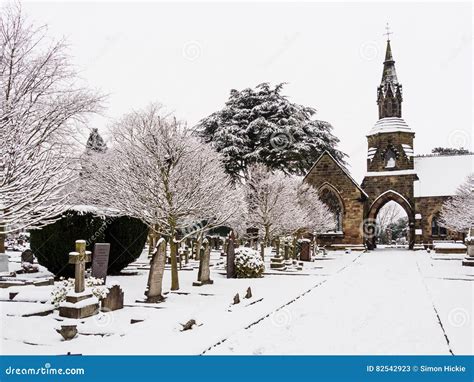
{"type": "Point", "coordinates": [393, 173]}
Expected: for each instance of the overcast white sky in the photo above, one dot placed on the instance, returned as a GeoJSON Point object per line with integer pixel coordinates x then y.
{"type": "Point", "coordinates": [189, 55]}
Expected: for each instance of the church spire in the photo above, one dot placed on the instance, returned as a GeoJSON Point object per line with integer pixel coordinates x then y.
{"type": "Point", "coordinates": [389, 93]}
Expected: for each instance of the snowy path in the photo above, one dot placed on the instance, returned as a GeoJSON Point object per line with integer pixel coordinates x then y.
{"type": "Point", "coordinates": [382, 304]}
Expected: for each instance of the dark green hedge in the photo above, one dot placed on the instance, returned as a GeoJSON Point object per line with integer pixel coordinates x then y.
{"type": "Point", "coordinates": [52, 244]}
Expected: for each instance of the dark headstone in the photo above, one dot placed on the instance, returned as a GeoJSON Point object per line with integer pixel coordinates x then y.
{"type": "Point", "coordinates": [231, 257]}
{"type": "Point", "coordinates": [249, 293]}
{"type": "Point", "coordinates": [114, 299]}
{"type": "Point", "coordinates": [236, 299]}
{"type": "Point", "coordinates": [27, 256]}
{"type": "Point", "coordinates": [100, 260]}
{"type": "Point", "coordinates": [305, 252]}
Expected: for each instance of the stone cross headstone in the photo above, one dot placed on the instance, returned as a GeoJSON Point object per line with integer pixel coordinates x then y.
{"type": "Point", "coordinates": [27, 256]}
{"type": "Point", "coordinates": [114, 299]}
{"type": "Point", "coordinates": [100, 260]}
{"type": "Point", "coordinates": [79, 258]}
{"type": "Point", "coordinates": [81, 303]}
{"type": "Point", "coordinates": [231, 256]}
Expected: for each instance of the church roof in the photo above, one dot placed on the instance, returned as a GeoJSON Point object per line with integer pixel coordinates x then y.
{"type": "Point", "coordinates": [441, 175]}
{"type": "Point", "coordinates": [390, 125]}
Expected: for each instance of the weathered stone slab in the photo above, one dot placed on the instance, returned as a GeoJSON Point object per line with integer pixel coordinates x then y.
{"type": "Point", "coordinates": [100, 260]}
{"type": "Point", "coordinates": [114, 299]}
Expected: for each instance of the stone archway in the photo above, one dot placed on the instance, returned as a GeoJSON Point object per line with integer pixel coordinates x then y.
{"type": "Point", "coordinates": [330, 196]}
{"type": "Point", "coordinates": [379, 202]}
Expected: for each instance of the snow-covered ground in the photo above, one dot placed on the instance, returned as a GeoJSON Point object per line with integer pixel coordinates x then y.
{"type": "Point", "coordinates": [389, 301]}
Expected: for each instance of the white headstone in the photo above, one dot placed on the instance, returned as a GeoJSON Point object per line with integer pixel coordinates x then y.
{"type": "Point", "coordinates": [3, 262]}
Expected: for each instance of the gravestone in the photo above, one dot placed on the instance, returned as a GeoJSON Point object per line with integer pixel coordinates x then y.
{"type": "Point", "coordinates": [204, 276]}
{"type": "Point", "coordinates": [155, 276]}
{"type": "Point", "coordinates": [3, 263]}
{"type": "Point", "coordinates": [100, 260]}
{"type": "Point", "coordinates": [305, 254]}
{"type": "Point", "coordinates": [80, 303]}
{"type": "Point", "coordinates": [114, 299]}
{"type": "Point", "coordinates": [469, 259]}
{"type": "Point", "coordinates": [27, 256]}
{"type": "Point", "coordinates": [230, 274]}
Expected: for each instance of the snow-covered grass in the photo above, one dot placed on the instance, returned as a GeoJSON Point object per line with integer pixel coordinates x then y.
{"type": "Point", "coordinates": [383, 302]}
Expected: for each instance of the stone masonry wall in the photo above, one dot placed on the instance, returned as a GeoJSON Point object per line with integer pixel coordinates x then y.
{"type": "Point", "coordinates": [328, 171]}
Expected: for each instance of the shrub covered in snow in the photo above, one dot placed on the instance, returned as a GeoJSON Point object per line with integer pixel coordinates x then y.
{"type": "Point", "coordinates": [248, 263]}
{"type": "Point", "coordinates": [60, 291]}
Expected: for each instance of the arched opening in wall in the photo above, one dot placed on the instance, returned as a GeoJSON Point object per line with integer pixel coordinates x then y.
{"type": "Point", "coordinates": [374, 232]}
{"type": "Point", "coordinates": [331, 198]}
{"type": "Point", "coordinates": [437, 231]}
{"type": "Point", "coordinates": [392, 228]}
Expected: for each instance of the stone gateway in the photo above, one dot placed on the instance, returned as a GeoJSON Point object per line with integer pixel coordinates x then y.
{"type": "Point", "coordinates": [394, 173]}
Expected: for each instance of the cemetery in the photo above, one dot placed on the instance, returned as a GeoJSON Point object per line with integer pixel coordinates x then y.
{"type": "Point", "coordinates": [243, 234]}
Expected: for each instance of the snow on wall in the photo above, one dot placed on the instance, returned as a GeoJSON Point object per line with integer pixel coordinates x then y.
{"type": "Point", "coordinates": [441, 175]}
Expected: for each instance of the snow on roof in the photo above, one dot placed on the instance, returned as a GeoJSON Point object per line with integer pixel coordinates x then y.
{"type": "Point", "coordinates": [390, 125]}
{"type": "Point", "coordinates": [441, 175]}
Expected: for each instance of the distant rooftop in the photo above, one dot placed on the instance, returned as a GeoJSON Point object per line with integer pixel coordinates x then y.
{"type": "Point", "coordinates": [441, 175]}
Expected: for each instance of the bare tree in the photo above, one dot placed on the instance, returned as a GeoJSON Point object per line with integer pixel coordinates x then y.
{"type": "Point", "coordinates": [156, 172]}
{"type": "Point", "coordinates": [389, 214]}
{"type": "Point", "coordinates": [40, 105]}
{"type": "Point", "coordinates": [457, 213]}
{"type": "Point", "coordinates": [280, 204]}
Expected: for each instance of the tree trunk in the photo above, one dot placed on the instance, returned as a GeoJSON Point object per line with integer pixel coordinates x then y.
{"type": "Point", "coordinates": [277, 247]}
{"type": "Point", "coordinates": [262, 250]}
{"type": "Point", "coordinates": [174, 264]}
{"type": "Point", "coordinates": [155, 277]}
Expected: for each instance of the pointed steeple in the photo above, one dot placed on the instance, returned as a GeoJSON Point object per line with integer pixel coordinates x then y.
{"type": "Point", "coordinates": [389, 93]}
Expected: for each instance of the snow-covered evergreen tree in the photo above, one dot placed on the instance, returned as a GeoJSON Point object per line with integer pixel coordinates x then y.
{"type": "Point", "coordinates": [262, 126]}
{"type": "Point", "coordinates": [458, 212]}
{"type": "Point", "coordinates": [95, 143]}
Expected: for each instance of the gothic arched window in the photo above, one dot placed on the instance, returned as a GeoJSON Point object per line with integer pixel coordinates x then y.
{"type": "Point", "coordinates": [390, 159]}
{"type": "Point", "coordinates": [436, 229]}
{"type": "Point", "coordinates": [332, 200]}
